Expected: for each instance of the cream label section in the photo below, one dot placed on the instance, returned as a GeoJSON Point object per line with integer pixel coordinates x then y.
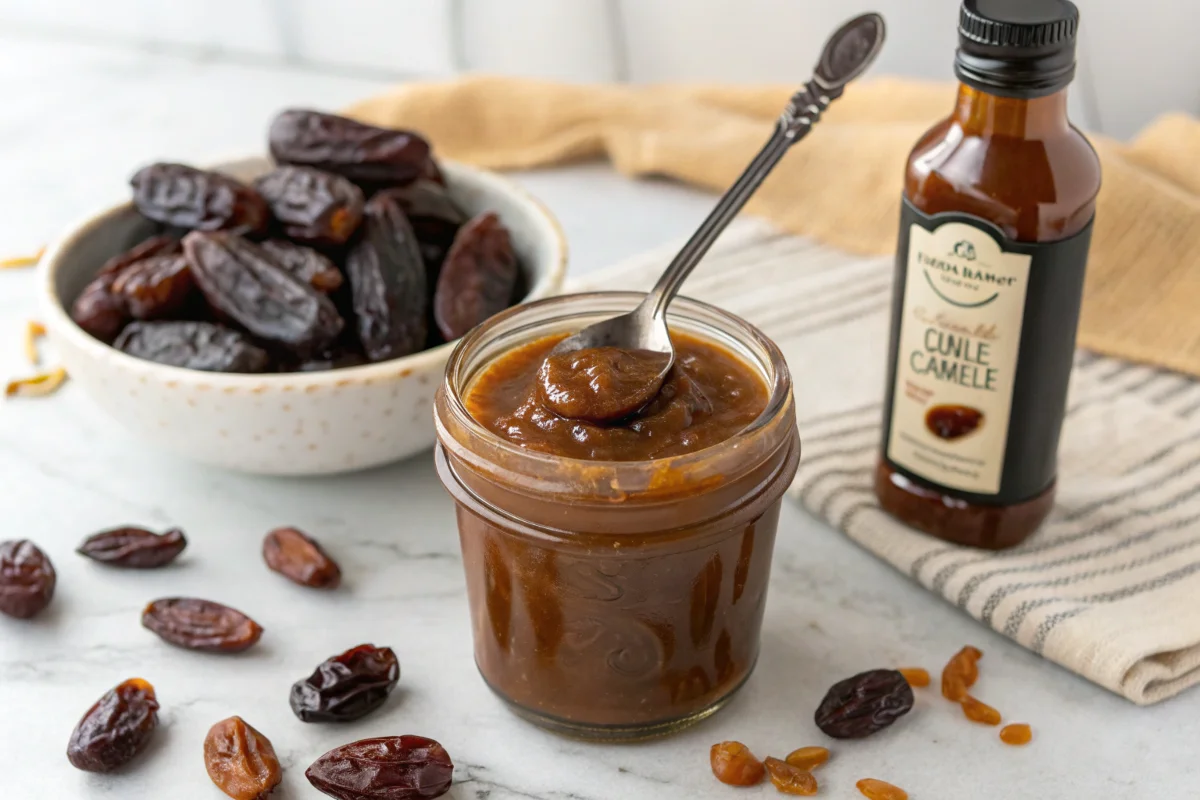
{"type": "Point", "coordinates": [960, 334]}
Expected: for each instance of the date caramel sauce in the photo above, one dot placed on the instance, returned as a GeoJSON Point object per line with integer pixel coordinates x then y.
{"type": "Point", "coordinates": [997, 211]}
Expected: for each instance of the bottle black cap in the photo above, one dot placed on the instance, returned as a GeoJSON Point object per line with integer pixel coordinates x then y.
{"type": "Point", "coordinates": [1017, 48]}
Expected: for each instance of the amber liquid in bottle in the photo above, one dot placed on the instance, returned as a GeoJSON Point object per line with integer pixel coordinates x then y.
{"type": "Point", "coordinates": [1019, 164]}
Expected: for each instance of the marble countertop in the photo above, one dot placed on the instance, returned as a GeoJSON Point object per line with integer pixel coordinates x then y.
{"type": "Point", "coordinates": [75, 122]}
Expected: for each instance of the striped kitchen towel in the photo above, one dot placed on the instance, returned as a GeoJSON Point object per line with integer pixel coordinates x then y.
{"type": "Point", "coordinates": [1109, 587]}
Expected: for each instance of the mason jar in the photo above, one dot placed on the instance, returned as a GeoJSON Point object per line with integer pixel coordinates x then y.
{"type": "Point", "coordinates": [615, 599]}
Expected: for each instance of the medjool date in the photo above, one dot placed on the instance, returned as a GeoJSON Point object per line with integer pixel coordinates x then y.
{"type": "Point", "coordinates": [307, 264]}
{"type": "Point", "coordinates": [201, 625]}
{"type": "Point", "coordinates": [387, 283]}
{"type": "Point", "coordinates": [360, 152]}
{"type": "Point", "coordinates": [100, 310]}
{"type": "Point", "coordinates": [347, 686]}
{"type": "Point", "coordinates": [195, 199]}
{"type": "Point", "coordinates": [116, 728]}
{"type": "Point", "coordinates": [133, 547]}
{"type": "Point", "coordinates": [27, 579]}
{"type": "Point", "coordinates": [434, 219]}
{"type": "Point", "coordinates": [192, 345]}
{"type": "Point", "coordinates": [240, 760]}
{"type": "Point", "coordinates": [477, 276]}
{"type": "Point", "coordinates": [300, 559]}
{"type": "Point", "coordinates": [388, 768]}
{"type": "Point", "coordinates": [155, 287]}
{"type": "Point", "coordinates": [314, 206]}
{"type": "Point", "coordinates": [243, 282]}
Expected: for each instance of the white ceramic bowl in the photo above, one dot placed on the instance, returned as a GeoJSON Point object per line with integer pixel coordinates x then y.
{"type": "Point", "coordinates": [279, 424]}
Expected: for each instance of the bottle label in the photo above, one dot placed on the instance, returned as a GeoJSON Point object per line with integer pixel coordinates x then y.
{"type": "Point", "coordinates": [983, 332]}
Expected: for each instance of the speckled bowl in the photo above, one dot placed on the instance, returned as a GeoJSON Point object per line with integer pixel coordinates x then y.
{"type": "Point", "coordinates": [281, 424]}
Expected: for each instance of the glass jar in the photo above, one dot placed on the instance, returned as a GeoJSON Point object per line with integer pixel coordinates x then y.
{"type": "Point", "coordinates": [615, 599]}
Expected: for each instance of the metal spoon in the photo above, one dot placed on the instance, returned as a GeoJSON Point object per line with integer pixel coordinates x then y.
{"type": "Point", "coordinates": [847, 53]}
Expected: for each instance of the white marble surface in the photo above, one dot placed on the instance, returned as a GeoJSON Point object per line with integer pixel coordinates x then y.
{"type": "Point", "coordinates": [74, 123]}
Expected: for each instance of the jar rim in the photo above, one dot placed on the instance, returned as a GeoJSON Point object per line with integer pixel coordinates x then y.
{"type": "Point", "coordinates": [778, 380]}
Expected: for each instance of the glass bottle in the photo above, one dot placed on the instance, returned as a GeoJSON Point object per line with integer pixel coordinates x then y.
{"type": "Point", "coordinates": [997, 213]}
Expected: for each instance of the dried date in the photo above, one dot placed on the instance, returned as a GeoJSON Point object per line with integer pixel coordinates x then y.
{"type": "Point", "coordinates": [389, 768]}
{"type": "Point", "coordinates": [242, 282]}
{"type": "Point", "coordinates": [133, 547]}
{"type": "Point", "coordinates": [27, 579]}
{"type": "Point", "coordinates": [307, 264]}
{"type": "Point", "coordinates": [300, 559]}
{"type": "Point", "coordinates": [116, 728]}
{"type": "Point", "coordinates": [185, 197]}
{"type": "Point", "coordinates": [155, 287]}
{"type": "Point", "coordinates": [477, 277]}
{"type": "Point", "coordinates": [434, 219]}
{"type": "Point", "coordinates": [387, 283]}
{"type": "Point", "coordinates": [864, 704]}
{"type": "Point", "coordinates": [314, 206]}
{"type": "Point", "coordinates": [159, 245]}
{"type": "Point", "coordinates": [201, 625]}
{"type": "Point", "coordinates": [240, 760]}
{"type": "Point", "coordinates": [193, 345]}
{"type": "Point", "coordinates": [360, 152]}
{"type": "Point", "coordinates": [100, 310]}
{"type": "Point", "coordinates": [733, 763]}
{"type": "Point", "coordinates": [347, 686]}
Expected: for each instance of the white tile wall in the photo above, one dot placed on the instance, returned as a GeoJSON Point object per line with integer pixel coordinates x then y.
{"type": "Point", "coordinates": [1135, 61]}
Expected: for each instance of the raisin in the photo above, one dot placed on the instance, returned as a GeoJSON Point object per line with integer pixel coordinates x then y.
{"type": "Point", "coordinates": [978, 711]}
{"type": "Point", "coordinates": [734, 764]}
{"type": "Point", "coordinates": [347, 686]}
{"type": "Point", "coordinates": [307, 264]}
{"type": "Point", "coordinates": [314, 206]}
{"type": "Point", "coordinates": [242, 282]}
{"type": "Point", "coordinates": [240, 760]}
{"type": "Point", "coordinates": [27, 579]}
{"type": "Point", "coordinates": [864, 704]}
{"type": "Point", "coordinates": [388, 768]}
{"type": "Point", "coordinates": [916, 676]}
{"type": "Point", "coordinates": [360, 152]}
{"type": "Point", "coordinates": [99, 310]}
{"type": "Point", "coordinates": [880, 790]}
{"type": "Point", "coordinates": [300, 559]}
{"type": "Point", "coordinates": [789, 779]}
{"type": "Point", "coordinates": [808, 757]}
{"type": "Point", "coordinates": [116, 728]}
{"type": "Point", "coordinates": [133, 547]}
{"type": "Point", "coordinates": [952, 422]}
{"type": "Point", "coordinates": [1016, 734]}
{"type": "Point", "coordinates": [192, 345]}
{"type": "Point", "coordinates": [201, 625]}
{"type": "Point", "coordinates": [387, 283]}
{"type": "Point", "coordinates": [960, 673]}
{"type": "Point", "coordinates": [434, 218]}
{"type": "Point", "coordinates": [156, 287]}
{"type": "Point", "coordinates": [185, 197]}
{"type": "Point", "coordinates": [477, 276]}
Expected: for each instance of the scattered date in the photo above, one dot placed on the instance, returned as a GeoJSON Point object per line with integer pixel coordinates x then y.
{"type": "Point", "coordinates": [193, 345]}
{"type": "Point", "coordinates": [864, 704]}
{"type": "Point", "coordinates": [195, 624]}
{"type": "Point", "coordinates": [196, 199]}
{"type": "Point", "coordinates": [116, 728]}
{"type": "Point", "coordinates": [133, 547]}
{"type": "Point", "coordinates": [389, 768]}
{"type": "Point", "coordinates": [299, 558]}
{"type": "Point", "coordinates": [348, 686]}
{"type": "Point", "coordinates": [240, 760]}
{"type": "Point", "coordinates": [27, 579]}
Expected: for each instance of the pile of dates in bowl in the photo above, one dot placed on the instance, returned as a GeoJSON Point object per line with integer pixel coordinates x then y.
{"type": "Point", "coordinates": [286, 315]}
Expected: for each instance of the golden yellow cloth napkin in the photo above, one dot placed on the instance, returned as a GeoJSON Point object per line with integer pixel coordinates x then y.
{"type": "Point", "coordinates": [842, 185]}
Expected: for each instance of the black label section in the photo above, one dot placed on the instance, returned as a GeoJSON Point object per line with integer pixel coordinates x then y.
{"type": "Point", "coordinates": [1046, 350]}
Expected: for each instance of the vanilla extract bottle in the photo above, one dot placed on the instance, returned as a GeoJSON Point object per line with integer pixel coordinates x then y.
{"type": "Point", "coordinates": [997, 215]}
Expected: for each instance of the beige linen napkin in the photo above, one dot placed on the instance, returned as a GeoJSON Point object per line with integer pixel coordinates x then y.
{"type": "Point", "coordinates": [1109, 588]}
{"type": "Point", "coordinates": [842, 185]}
